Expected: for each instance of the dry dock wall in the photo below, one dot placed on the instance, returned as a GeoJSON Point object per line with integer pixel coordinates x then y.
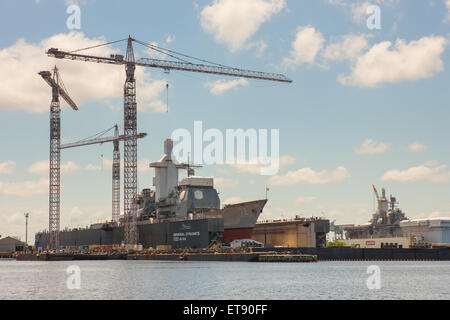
{"type": "Point", "coordinates": [368, 253]}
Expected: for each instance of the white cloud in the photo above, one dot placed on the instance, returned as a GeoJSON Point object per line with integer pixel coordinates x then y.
{"type": "Point", "coordinates": [349, 48]}
{"type": "Point", "coordinates": [143, 165]}
{"type": "Point", "coordinates": [234, 22]}
{"type": "Point", "coordinates": [25, 188]}
{"type": "Point", "coordinates": [304, 200]}
{"type": "Point", "coordinates": [447, 4]}
{"type": "Point", "coordinates": [84, 81]}
{"type": "Point", "coordinates": [416, 146]}
{"type": "Point", "coordinates": [256, 166]}
{"type": "Point", "coordinates": [42, 167]}
{"type": "Point", "coordinates": [307, 45]}
{"type": "Point", "coordinates": [221, 86]}
{"type": "Point", "coordinates": [359, 11]}
{"type": "Point", "coordinates": [309, 176]}
{"type": "Point", "coordinates": [427, 172]}
{"type": "Point", "coordinates": [225, 183]}
{"type": "Point", "coordinates": [384, 63]}
{"type": "Point", "coordinates": [431, 215]}
{"type": "Point", "coordinates": [170, 38]}
{"type": "Point", "coordinates": [370, 146]}
{"type": "Point", "coordinates": [260, 47]}
{"type": "Point", "coordinates": [7, 167]}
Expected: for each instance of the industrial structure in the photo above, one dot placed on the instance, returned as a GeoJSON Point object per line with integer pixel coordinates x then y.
{"type": "Point", "coordinates": [297, 232]}
{"type": "Point", "coordinates": [58, 89]}
{"type": "Point", "coordinates": [390, 228]}
{"type": "Point", "coordinates": [130, 110]}
{"type": "Point", "coordinates": [385, 221]}
{"type": "Point", "coordinates": [10, 245]}
{"type": "Point", "coordinates": [115, 165]}
{"type": "Point", "coordinates": [431, 231]}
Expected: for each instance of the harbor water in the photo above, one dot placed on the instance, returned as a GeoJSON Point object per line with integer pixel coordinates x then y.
{"type": "Point", "coordinates": [121, 279]}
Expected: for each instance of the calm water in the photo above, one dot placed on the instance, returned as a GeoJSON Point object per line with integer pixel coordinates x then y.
{"type": "Point", "coordinates": [223, 280]}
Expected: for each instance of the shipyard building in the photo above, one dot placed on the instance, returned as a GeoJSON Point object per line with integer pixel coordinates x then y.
{"type": "Point", "coordinates": [297, 232]}
{"type": "Point", "coordinates": [435, 231]}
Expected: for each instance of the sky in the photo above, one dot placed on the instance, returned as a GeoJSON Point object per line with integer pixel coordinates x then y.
{"type": "Point", "coordinates": [369, 102]}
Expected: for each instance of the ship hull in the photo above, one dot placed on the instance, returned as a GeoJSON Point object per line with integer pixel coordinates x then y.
{"type": "Point", "coordinates": [197, 233]}
{"type": "Point", "coordinates": [230, 235]}
{"type": "Point", "coordinates": [240, 219]}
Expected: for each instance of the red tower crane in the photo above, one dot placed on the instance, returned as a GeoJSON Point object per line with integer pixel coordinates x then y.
{"type": "Point", "coordinates": [130, 106]}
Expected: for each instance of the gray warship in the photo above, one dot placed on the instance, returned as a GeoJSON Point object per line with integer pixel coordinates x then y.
{"type": "Point", "coordinates": [385, 222]}
{"type": "Point", "coordinates": [179, 214]}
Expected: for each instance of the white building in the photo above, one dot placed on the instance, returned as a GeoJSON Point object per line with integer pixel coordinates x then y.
{"type": "Point", "coordinates": [433, 230]}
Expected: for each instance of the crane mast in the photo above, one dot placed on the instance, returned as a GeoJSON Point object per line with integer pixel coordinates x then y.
{"type": "Point", "coordinates": [115, 165]}
{"type": "Point", "coordinates": [116, 179]}
{"type": "Point", "coordinates": [130, 108]}
{"type": "Point", "coordinates": [55, 82]}
{"type": "Point", "coordinates": [130, 150]}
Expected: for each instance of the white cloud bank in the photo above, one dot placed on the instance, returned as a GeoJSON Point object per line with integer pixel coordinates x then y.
{"type": "Point", "coordinates": [370, 146]}
{"type": "Point", "coordinates": [416, 146]}
{"type": "Point", "coordinates": [309, 176]}
{"type": "Point", "coordinates": [388, 63]}
{"type": "Point", "coordinates": [233, 22]}
{"type": "Point", "coordinates": [21, 62]}
{"type": "Point", "coordinates": [427, 172]}
{"type": "Point", "coordinates": [24, 188]}
{"type": "Point", "coordinates": [447, 5]}
{"type": "Point", "coordinates": [308, 43]}
{"type": "Point", "coordinates": [219, 87]}
{"type": "Point", "coordinates": [348, 48]}
{"type": "Point", "coordinates": [7, 167]}
{"type": "Point", "coordinates": [371, 66]}
{"type": "Point", "coordinates": [255, 166]}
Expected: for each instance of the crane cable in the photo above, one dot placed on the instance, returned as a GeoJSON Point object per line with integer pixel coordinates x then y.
{"type": "Point", "coordinates": [97, 134]}
{"type": "Point", "coordinates": [160, 50]}
{"type": "Point", "coordinates": [96, 46]}
{"type": "Point", "coordinates": [151, 46]}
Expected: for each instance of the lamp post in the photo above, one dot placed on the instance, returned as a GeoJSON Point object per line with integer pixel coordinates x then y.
{"type": "Point", "coordinates": [26, 227]}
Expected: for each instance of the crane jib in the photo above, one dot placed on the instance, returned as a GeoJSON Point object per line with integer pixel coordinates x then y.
{"type": "Point", "coordinates": [173, 65]}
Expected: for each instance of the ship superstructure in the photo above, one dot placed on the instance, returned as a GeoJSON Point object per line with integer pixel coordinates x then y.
{"type": "Point", "coordinates": [195, 195]}
{"type": "Point", "coordinates": [385, 221]}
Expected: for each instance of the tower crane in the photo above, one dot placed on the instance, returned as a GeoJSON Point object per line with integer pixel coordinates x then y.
{"type": "Point", "coordinates": [115, 165]}
{"type": "Point", "coordinates": [55, 82]}
{"type": "Point", "coordinates": [130, 105]}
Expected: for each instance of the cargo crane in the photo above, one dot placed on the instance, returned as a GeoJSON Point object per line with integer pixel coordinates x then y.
{"type": "Point", "coordinates": [376, 192]}
{"type": "Point", "coordinates": [115, 165]}
{"type": "Point", "coordinates": [58, 89]}
{"type": "Point", "coordinates": [130, 105]}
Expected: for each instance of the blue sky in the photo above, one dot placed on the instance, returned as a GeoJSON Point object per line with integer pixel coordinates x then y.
{"type": "Point", "coordinates": [371, 101]}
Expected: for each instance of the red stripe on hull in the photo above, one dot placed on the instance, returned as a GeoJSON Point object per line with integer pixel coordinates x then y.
{"type": "Point", "coordinates": [236, 234]}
